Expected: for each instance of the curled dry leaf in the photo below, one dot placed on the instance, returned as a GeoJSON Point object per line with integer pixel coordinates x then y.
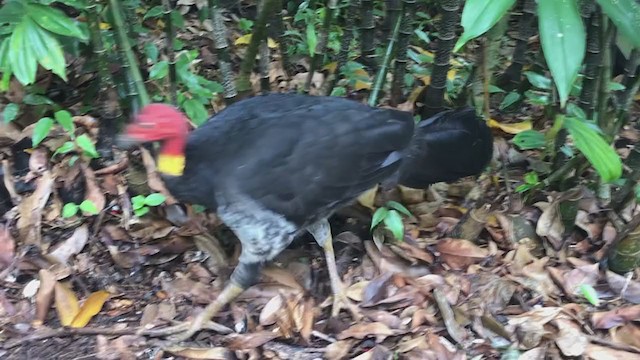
{"type": "Point", "coordinates": [338, 350]}
{"type": "Point", "coordinates": [283, 277]}
{"type": "Point", "coordinates": [44, 297]}
{"type": "Point", "coordinates": [216, 353]}
{"type": "Point", "coordinates": [570, 340]}
{"type": "Point", "coordinates": [360, 331]}
{"type": "Point", "coordinates": [7, 247]}
{"type": "Point", "coordinates": [249, 341]}
{"type": "Point", "coordinates": [606, 353]}
{"type": "Point", "coordinates": [627, 334]}
{"type": "Point", "coordinates": [72, 246]}
{"type": "Point", "coordinates": [66, 303]}
{"type": "Point", "coordinates": [93, 192]}
{"type": "Point", "coordinates": [627, 289]}
{"type": "Point", "coordinates": [460, 253]}
{"type": "Point", "coordinates": [90, 308]}
{"type": "Point", "coordinates": [30, 210]}
{"type": "Point", "coordinates": [616, 317]}
{"type": "Point", "coordinates": [271, 311]}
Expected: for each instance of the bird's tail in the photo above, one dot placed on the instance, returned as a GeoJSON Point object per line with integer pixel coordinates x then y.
{"type": "Point", "coordinates": [446, 147]}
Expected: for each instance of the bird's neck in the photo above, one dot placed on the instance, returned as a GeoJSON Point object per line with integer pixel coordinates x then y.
{"type": "Point", "coordinates": [171, 159]}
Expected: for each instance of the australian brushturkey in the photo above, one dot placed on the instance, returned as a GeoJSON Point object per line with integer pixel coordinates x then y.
{"type": "Point", "coordinates": [275, 166]}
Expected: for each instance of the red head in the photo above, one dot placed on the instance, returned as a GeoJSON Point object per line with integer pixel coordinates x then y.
{"type": "Point", "coordinates": [159, 122]}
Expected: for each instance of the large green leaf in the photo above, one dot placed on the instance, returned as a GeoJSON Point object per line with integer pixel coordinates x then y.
{"type": "Point", "coordinates": [4, 55]}
{"type": "Point", "coordinates": [625, 14]}
{"type": "Point", "coordinates": [55, 21]}
{"type": "Point", "coordinates": [478, 16]}
{"type": "Point", "coordinates": [12, 12]}
{"type": "Point", "coordinates": [563, 42]}
{"type": "Point", "coordinates": [600, 154]}
{"type": "Point", "coordinates": [47, 49]}
{"type": "Point", "coordinates": [22, 58]}
{"type": "Point", "coordinates": [41, 130]}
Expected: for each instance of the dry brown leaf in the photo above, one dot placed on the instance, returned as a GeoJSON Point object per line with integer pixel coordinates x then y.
{"type": "Point", "coordinates": [460, 253]}
{"type": "Point", "coordinates": [7, 247]}
{"type": "Point", "coordinates": [550, 224]}
{"type": "Point", "coordinates": [249, 341]}
{"type": "Point", "coordinates": [360, 331]}
{"type": "Point", "coordinates": [379, 352]}
{"type": "Point", "coordinates": [618, 283]}
{"type": "Point", "coordinates": [627, 334]}
{"type": "Point", "coordinates": [272, 311]}
{"type": "Point", "coordinates": [93, 192]}
{"type": "Point", "coordinates": [308, 319]}
{"type": "Point", "coordinates": [597, 352]}
{"type": "Point", "coordinates": [66, 303]}
{"type": "Point", "coordinates": [9, 134]}
{"type": "Point", "coordinates": [283, 277]}
{"type": "Point", "coordinates": [121, 348]}
{"type": "Point", "coordinates": [44, 297]}
{"type": "Point", "coordinates": [72, 246]}
{"type": "Point", "coordinates": [30, 210]}
{"type": "Point", "coordinates": [338, 350]}
{"type": "Point", "coordinates": [615, 317]}
{"type": "Point", "coordinates": [570, 339]}
{"type": "Point", "coordinates": [90, 308]}
{"type": "Point", "coordinates": [356, 291]}
{"type": "Point", "coordinates": [215, 353]}
{"type": "Point", "coordinates": [368, 198]}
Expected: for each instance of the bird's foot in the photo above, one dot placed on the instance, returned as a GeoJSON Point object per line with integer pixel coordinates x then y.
{"type": "Point", "coordinates": [340, 299]}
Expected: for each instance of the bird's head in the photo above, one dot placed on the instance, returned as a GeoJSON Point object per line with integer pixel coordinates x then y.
{"type": "Point", "coordinates": [163, 123]}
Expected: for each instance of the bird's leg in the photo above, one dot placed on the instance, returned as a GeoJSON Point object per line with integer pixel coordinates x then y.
{"type": "Point", "coordinates": [244, 276]}
{"type": "Point", "coordinates": [321, 231]}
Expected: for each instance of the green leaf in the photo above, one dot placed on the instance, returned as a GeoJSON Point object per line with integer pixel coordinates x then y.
{"type": "Point", "coordinates": [538, 80]}
{"type": "Point", "coordinates": [86, 144]}
{"type": "Point", "coordinates": [312, 39]}
{"type": "Point", "coordinates": [615, 86]}
{"type": "Point", "coordinates": [4, 55]}
{"type": "Point", "coordinates": [393, 222]}
{"type": "Point", "coordinates": [590, 294]}
{"type": "Point", "coordinates": [625, 14]}
{"type": "Point", "coordinates": [154, 199]}
{"type": "Point", "coordinates": [69, 210]}
{"type": "Point", "coordinates": [339, 91]}
{"type": "Point", "coordinates": [599, 153]}
{"type": "Point", "coordinates": [159, 70]}
{"type": "Point", "coordinates": [509, 100]}
{"type": "Point", "coordinates": [153, 12]}
{"type": "Point", "coordinates": [137, 202]}
{"type": "Point", "coordinates": [141, 212]}
{"type": "Point", "coordinates": [576, 111]}
{"type": "Point", "coordinates": [35, 99]}
{"type": "Point", "coordinates": [22, 58]}
{"type": "Point", "coordinates": [152, 52]}
{"type": "Point", "coordinates": [531, 178]}
{"type": "Point", "coordinates": [12, 12]}
{"type": "Point", "coordinates": [41, 130]}
{"type": "Point", "coordinates": [88, 207]}
{"type": "Point", "coordinates": [55, 21]}
{"type": "Point", "coordinates": [478, 16]}
{"type": "Point", "coordinates": [563, 40]}
{"type": "Point", "coordinates": [396, 205]}
{"type": "Point", "coordinates": [63, 117]}
{"type": "Point", "coordinates": [529, 139]}
{"type": "Point", "coordinates": [10, 112]}
{"type": "Point", "coordinates": [47, 49]}
{"type": "Point", "coordinates": [378, 216]}
{"type": "Point", "coordinates": [195, 111]}
{"type": "Point", "coordinates": [65, 148]}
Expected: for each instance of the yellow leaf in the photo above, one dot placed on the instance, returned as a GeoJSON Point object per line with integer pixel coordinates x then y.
{"type": "Point", "coordinates": [361, 72]}
{"type": "Point", "coordinates": [422, 51]}
{"type": "Point", "coordinates": [331, 67]}
{"type": "Point", "coordinates": [426, 79]}
{"type": "Point", "coordinates": [414, 94]}
{"type": "Point", "coordinates": [246, 39]}
{"type": "Point", "coordinates": [451, 74]}
{"type": "Point", "coordinates": [361, 85]}
{"type": "Point", "coordinates": [368, 197]}
{"type": "Point", "coordinates": [243, 40]}
{"type": "Point", "coordinates": [105, 26]}
{"type": "Point", "coordinates": [66, 304]}
{"type": "Point", "coordinates": [514, 128]}
{"type": "Point", "coordinates": [90, 308]}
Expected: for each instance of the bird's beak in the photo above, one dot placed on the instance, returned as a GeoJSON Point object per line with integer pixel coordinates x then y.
{"type": "Point", "coordinates": [126, 142]}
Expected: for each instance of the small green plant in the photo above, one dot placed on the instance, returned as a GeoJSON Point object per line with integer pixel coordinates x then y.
{"type": "Point", "coordinates": [82, 143]}
{"type": "Point", "coordinates": [87, 207]}
{"type": "Point", "coordinates": [391, 216]}
{"type": "Point", "coordinates": [142, 203]}
{"type": "Point", "coordinates": [531, 181]}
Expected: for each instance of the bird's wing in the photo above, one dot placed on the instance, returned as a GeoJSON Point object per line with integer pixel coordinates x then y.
{"type": "Point", "coordinates": [313, 159]}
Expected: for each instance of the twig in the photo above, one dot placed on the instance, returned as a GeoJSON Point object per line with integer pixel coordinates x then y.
{"type": "Point", "coordinates": [65, 332]}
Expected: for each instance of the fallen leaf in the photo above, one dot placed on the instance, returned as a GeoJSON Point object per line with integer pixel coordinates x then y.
{"type": "Point", "coordinates": [361, 331]}
{"type": "Point", "coordinates": [338, 350]}
{"type": "Point", "coordinates": [570, 339]}
{"type": "Point", "coordinates": [215, 353]}
{"type": "Point", "coordinates": [615, 317]}
{"type": "Point", "coordinates": [30, 210]}
{"type": "Point", "coordinates": [460, 253]}
{"type": "Point", "coordinates": [72, 246]}
{"type": "Point", "coordinates": [510, 128]}
{"type": "Point", "coordinates": [44, 297]}
{"type": "Point", "coordinates": [597, 352]}
{"type": "Point", "coordinates": [627, 334]}
{"type": "Point", "coordinates": [90, 308]}
{"type": "Point", "coordinates": [7, 247]}
{"type": "Point", "coordinates": [249, 341]}
{"type": "Point", "coordinates": [271, 311]}
{"type": "Point", "coordinates": [93, 192]}
{"type": "Point", "coordinates": [66, 303]}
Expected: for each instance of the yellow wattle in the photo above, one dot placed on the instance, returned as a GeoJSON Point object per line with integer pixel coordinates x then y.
{"type": "Point", "coordinates": [171, 164]}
